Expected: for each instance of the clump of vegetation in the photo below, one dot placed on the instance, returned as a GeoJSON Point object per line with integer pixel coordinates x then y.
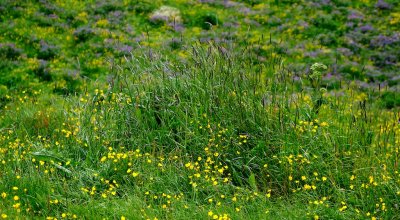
{"type": "Point", "coordinates": [207, 20]}
{"type": "Point", "coordinates": [10, 51]}
{"type": "Point", "coordinates": [214, 136]}
{"type": "Point", "coordinates": [390, 99]}
{"type": "Point", "coordinates": [84, 33]}
{"type": "Point", "coordinates": [206, 110]}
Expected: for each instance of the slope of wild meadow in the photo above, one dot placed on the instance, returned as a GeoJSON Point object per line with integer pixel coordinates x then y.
{"type": "Point", "coordinates": [199, 109]}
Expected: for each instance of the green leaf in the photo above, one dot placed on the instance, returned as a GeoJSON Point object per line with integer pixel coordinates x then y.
{"type": "Point", "coordinates": [46, 156]}
{"type": "Point", "coordinates": [62, 168]}
{"type": "Point", "coordinates": [252, 182]}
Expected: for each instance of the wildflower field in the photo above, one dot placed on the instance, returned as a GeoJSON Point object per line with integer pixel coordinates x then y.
{"type": "Point", "coordinates": [199, 109]}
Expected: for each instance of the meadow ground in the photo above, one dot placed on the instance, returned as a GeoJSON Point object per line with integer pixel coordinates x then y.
{"type": "Point", "coordinates": [226, 110]}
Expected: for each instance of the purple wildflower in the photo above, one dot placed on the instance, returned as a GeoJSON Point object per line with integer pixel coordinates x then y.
{"type": "Point", "coordinates": [366, 28]}
{"type": "Point", "coordinates": [47, 51]}
{"type": "Point", "coordinates": [84, 33]}
{"type": "Point", "coordinates": [345, 51]}
{"type": "Point", "coordinates": [381, 4]}
{"type": "Point", "coordinates": [355, 15]}
{"type": "Point", "coordinates": [382, 40]}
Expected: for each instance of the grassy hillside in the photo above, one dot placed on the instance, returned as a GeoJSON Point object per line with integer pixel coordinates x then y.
{"type": "Point", "coordinates": [227, 110]}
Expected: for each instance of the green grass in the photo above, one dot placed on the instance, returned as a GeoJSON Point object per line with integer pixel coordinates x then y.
{"type": "Point", "coordinates": [210, 136]}
{"type": "Point", "coordinates": [106, 113]}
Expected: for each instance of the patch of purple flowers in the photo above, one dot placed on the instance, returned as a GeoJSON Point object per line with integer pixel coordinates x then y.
{"type": "Point", "coordinates": [47, 51]}
{"type": "Point", "coordinates": [366, 28]}
{"type": "Point", "coordinates": [355, 15]}
{"type": "Point", "coordinates": [84, 33]}
{"type": "Point", "coordinates": [381, 4]}
{"type": "Point", "coordinates": [382, 40]}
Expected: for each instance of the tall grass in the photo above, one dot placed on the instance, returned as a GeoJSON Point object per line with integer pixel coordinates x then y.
{"type": "Point", "coordinates": [215, 134]}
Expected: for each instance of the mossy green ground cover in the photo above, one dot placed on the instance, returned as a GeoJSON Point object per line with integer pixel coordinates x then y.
{"type": "Point", "coordinates": [111, 111]}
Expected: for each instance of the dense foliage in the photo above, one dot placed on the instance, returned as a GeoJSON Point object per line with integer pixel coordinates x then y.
{"type": "Point", "coordinates": [199, 109]}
